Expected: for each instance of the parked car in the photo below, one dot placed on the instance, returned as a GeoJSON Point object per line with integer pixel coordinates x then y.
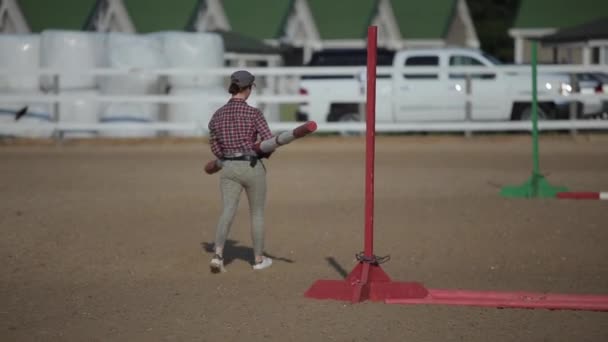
{"type": "Point", "coordinates": [436, 96]}
{"type": "Point", "coordinates": [589, 84]}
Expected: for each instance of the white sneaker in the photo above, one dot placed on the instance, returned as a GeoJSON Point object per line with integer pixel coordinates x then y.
{"type": "Point", "coordinates": [217, 264]}
{"type": "Point", "coordinates": [265, 263]}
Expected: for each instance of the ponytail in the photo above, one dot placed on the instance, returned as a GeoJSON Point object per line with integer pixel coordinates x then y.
{"type": "Point", "coordinates": [234, 89]}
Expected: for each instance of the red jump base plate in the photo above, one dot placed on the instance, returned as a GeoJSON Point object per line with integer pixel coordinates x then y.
{"type": "Point", "coordinates": [366, 282]}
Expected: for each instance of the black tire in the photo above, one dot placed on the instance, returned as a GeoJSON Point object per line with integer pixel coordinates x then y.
{"type": "Point", "coordinates": [525, 113]}
{"type": "Point", "coordinates": [349, 117]}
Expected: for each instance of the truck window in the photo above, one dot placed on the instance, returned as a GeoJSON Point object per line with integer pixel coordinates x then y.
{"type": "Point", "coordinates": [464, 60]}
{"type": "Point", "coordinates": [458, 60]}
{"type": "Point", "coordinates": [425, 61]}
{"type": "Point", "coordinates": [348, 57]}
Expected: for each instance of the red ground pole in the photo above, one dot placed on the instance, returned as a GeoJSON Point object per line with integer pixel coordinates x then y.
{"type": "Point", "coordinates": [518, 300]}
{"type": "Point", "coordinates": [367, 281]}
{"type": "Point", "coordinates": [584, 195]}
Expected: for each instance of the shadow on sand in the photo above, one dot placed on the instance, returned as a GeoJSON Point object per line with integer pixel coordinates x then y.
{"type": "Point", "coordinates": [334, 264]}
{"type": "Point", "coordinates": [233, 251]}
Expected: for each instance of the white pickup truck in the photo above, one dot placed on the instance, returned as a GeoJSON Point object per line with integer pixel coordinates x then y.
{"type": "Point", "coordinates": [439, 95]}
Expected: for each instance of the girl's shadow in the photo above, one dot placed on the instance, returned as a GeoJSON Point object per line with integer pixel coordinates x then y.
{"type": "Point", "coordinates": [233, 251]}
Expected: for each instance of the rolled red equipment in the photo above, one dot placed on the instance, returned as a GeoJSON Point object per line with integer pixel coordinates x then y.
{"type": "Point", "coordinates": [270, 145]}
{"type": "Point", "coordinates": [213, 166]}
{"type": "Point", "coordinates": [284, 138]}
{"type": "Point", "coordinates": [304, 129]}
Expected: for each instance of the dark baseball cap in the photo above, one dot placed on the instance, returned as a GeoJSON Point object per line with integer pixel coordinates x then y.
{"type": "Point", "coordinates": [242, 78]}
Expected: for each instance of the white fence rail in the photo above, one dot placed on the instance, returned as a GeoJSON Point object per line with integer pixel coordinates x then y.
{"type": "Point", "coordinates": [281, 86]}
{"type": "Point", "coordinates": [303, 71]}
{"type": "Point", "coordinates": [59, 128]}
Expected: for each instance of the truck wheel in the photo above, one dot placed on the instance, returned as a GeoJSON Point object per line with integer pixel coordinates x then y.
{"type": "Point", "coordinates": [526, 114]}
{"type": "Point", "coordinates": [349, 117]}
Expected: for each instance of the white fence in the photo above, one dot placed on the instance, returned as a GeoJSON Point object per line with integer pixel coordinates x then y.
{"type": "Point", "coordinates": [280, 86]}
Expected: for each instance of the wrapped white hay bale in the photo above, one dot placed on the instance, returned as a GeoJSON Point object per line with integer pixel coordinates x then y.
{"type": "Point", "coordinates": [71, 52]}
{"type": "Point", "coordinates": [19, 52]}
{"type": "Point", "coordinates": [37, 122]}
{"type": "Point", "coordinates": [199, 111]}
{"type": "Point", "coordinates": [8, 111]}
{"type": "Point", "coordinates": [196, 50]}
{"type": "Point", "coordinates": [135, 52]}
{"type": "Point", "coordinates": [118, 115]}
{"type": "Point", "coordinates": [39, 115]}
{"type": "Point", "coordinates": [84, 109]}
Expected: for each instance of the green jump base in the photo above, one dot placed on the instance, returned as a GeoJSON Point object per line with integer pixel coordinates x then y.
{"type": "Point", "coordinates": [535, 187]}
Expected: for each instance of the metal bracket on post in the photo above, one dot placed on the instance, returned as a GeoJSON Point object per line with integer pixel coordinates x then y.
{"type": "Point", "coordinates": [57, 135]}
{"type": "Point", "coordinates": [362, 79]}
{"type": "Point", "coordinates": [164, 87]}
{"type": "Point", "coordinates": [56, 103]}
{"type": "Point", "coordinates": [573, 112]}
{"type": "Point", "coordinates": [468, 107]}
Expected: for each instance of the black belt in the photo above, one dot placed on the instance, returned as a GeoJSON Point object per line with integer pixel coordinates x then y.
{"type": "Point", "coordinates": [253, 160]}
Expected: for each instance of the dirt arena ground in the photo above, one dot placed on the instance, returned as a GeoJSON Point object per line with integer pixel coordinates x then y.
{"type": "Point", "coordinates": [109, 242]}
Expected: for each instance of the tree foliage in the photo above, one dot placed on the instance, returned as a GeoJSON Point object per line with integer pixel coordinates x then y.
{"type": "Point", "coordinates": [492, 20]}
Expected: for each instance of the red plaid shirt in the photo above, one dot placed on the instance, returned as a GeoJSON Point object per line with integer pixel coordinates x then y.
{"type": "Point", "coordinates": [234, 128]}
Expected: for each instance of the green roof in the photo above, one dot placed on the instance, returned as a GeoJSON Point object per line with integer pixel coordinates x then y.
{"type": "Point", "coordinates": [335, 19]}
{"type": "Point", "coordinates": [425, 19]}
{"type": "Point", "coordinates": [258, 19]}
{"type": "Point", "coordinates": [342, 19]}
{"type": "Point", "coordinates": [160, 15]}
{"type": "Point", "coordinates": [597, 29]}
{"type": "Point", "coordinates": [56, 14]}
{"type": "Point", "coordinates": [559, 13]}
